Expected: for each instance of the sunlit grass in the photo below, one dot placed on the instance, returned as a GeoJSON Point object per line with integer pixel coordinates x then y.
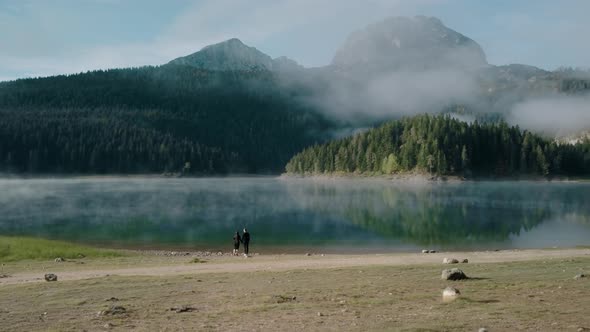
{"type": "Point", "coordinates": [22, 248]}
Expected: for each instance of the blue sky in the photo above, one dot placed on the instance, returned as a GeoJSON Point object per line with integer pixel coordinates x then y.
{"type": "Point", "coordinates": [42, 37]}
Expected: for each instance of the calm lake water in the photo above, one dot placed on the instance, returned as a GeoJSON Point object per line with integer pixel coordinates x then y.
{"type": "Point", "coordinates": [298, 214]}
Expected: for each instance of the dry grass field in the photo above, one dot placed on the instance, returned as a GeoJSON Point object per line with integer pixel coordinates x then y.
{"type": "Point", "coordinates": [508, 291]}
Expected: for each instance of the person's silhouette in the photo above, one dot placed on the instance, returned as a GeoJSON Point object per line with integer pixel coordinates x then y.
{"type": "Point", "coordinates": [246, 241]}
{"type": "Point", "coordinates": [237, 240]}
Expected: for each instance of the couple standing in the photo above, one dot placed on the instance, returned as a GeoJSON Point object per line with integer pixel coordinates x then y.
{"type": "Point", "coordinates": [245, 239]}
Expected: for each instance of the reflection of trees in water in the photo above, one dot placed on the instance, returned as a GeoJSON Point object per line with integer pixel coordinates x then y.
{"type": "Point", "coordinates": [444, 225]}
{"type": "Point", "coordinates": [299, 212]}
{"type": "Point", "coordinates": [281, 229]}
{"type": "Point", "coordinates": [465, 213]}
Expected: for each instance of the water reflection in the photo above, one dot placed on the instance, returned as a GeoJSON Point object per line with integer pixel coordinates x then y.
{"type": "Point", "coordinates": [344, 214]}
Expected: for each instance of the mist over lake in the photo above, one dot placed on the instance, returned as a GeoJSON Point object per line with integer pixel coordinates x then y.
{"type": "Point", "coordinates": [282, 214]}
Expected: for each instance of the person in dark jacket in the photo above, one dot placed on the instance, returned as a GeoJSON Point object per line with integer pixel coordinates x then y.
{"type": "Point", "coordinates": [246, 241]}
{"type": "Point", "coordinates": [237, 240]}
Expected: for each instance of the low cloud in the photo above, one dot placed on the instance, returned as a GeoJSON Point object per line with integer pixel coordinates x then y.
{"type": "Point", "coordinates": [562, 115]}
{"type": "Point", "coordinates": [418, 92]}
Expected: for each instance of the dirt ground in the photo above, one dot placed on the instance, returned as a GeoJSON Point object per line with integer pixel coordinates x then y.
{"type": "Point", "coordinates": [531, 290]}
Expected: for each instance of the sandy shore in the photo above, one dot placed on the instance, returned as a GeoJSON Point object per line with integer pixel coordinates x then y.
{"type": "Point", "coordinates": [146, 265]}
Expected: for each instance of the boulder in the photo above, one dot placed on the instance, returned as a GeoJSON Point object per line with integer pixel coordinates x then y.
{"type": "Point", "coordinates": [432, 251]}
{"type": "Point", "coordinates": [482, 329]}
{"type": "Point", "coordinates": [465, 261]}
{"type": "Point", "coordinates": [450, 294]}
{"type": "Point", "coordinates": [50, 277]}
{"type": "Point", "coordinates": [453, 274]}
{"type": "Point", "coordinates": [450, 261]}
{"type": "Point", "coordinates": [425, 251]}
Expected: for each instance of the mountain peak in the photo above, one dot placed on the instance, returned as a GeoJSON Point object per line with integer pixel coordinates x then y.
{"type": "Point", "coordinates": [232, 42]}
{"type": "Point", "coordinates": [231, 54]}
{"type": "Point", "coordinates": [234, 55]}
{"type": "Point", "coordinates": [409, 43]}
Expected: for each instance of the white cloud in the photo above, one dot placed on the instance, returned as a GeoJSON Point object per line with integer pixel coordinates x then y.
{"type": "Point", "coordinates": [42, 44]}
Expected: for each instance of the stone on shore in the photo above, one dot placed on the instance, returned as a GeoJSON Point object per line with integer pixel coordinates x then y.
{"type": "Point", "coordinates": [450, 261]}
{"type": "Point", "coordinates": [450, 294]}
{"type": "Point", "coordinates": [453, 274]}
{"type": "Point", "coordinates": [50, 277]}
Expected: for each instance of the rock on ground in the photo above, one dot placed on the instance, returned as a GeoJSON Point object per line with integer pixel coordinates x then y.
{"type": "Point", "coordinates": [450, 294]}
{"type": "Point", "coordinates": [50, 277]}
{"type": "Point", "coordinates": [453, 274]}
{"type": "Point", "coordinates": [579, 276]}
{"type": "Point", "coordinates": [450, 261]}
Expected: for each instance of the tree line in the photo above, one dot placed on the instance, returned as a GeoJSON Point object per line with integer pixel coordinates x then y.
{"type": "Point", "coordinates": [153, 119]}
{"type": "Point", "coordinates": [442, 145]}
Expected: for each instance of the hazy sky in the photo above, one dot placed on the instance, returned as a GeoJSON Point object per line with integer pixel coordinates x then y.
{"type": "Point", "coordinates": [42, 37]}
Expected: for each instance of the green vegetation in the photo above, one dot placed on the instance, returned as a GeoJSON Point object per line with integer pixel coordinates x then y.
{"type": "Point", "coordinates": [151, 120]}
{"type": "Point", "coordinates": [443, 145]}
{"type": "Point", "coordinates": [21, 248]}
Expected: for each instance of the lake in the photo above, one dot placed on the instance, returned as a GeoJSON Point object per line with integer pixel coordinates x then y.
{"type": "Point", "coordinates": [291, 215]}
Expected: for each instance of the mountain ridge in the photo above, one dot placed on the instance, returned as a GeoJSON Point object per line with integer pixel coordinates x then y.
{"type": "Point", "coordinates": [230, 108]}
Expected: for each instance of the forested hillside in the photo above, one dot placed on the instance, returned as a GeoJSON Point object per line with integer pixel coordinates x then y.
{"type": "Point", "coordinates": [445, 146]}
{"type": "Point", "coordinates": [153, 119]}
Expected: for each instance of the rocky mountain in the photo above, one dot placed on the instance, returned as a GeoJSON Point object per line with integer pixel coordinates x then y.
{"type": "Point", "coordinates": [233, 55]}
{"type": "Point", "coordinates": [409, 43]}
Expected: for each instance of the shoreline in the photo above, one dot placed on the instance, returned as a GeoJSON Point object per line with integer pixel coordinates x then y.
{"type": "Point", "coordinates": [151, 263]}
{"type": "Point", "coordinates": [411, 177]}
{"type": "Point", "coordinates": [405, 177]}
